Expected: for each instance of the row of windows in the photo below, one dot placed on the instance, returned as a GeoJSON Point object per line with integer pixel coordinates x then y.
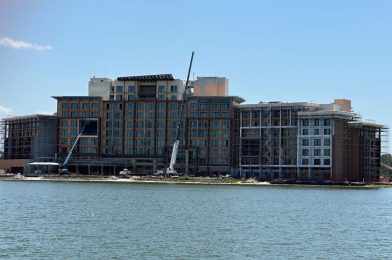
{"type": "Point", "coordinates": [316, 152]}
{"type": "Point", "coordinates": [316, 142]}
{"type": "Point", "coordinates": [325, 131]}
{"type": "Point", "coordinates": [326, 162]}
{"type": "Point", "coordinates": [212, 114]}
{"type": "Point", "coordinates": [141, 106]}
{"type": "Point", "coordinates": [212, 106]}
{"type": "Point", "coordinates": [74, 105]}
{"type": "Point", "coordinates": [205, 133]}
{"type": "Point", "coordinates": [131, 89]}
{"type": "Point", "coordinates": [79, 114]}
{"type": "Point", "coordinates": [316, 122]}
{"type": "Point", "coordinates": [204, 124]}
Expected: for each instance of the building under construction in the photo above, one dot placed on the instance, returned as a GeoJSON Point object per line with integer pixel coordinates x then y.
{"type": "Point", "coordinates": [131, 123]}
{"type": "Point", "coordinates": [26, 139]}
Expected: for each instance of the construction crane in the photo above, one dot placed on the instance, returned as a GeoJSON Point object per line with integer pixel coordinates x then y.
{"type": "Point", "coordinates": [64, 167]}
{"type": "Point", "coordinates": [170, 170]}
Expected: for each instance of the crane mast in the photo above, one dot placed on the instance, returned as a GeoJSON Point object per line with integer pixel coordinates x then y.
{"type": "Point", "coordinates": [176, 143]}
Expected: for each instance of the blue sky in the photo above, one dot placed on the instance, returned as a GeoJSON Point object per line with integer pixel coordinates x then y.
{"type": "Point", "coordinates": [270, 50]}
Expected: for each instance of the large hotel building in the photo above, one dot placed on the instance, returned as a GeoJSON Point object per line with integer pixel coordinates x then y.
{"type": "Point", "coordinates": [131, 123]}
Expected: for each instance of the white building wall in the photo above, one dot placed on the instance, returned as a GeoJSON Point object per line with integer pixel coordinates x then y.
{"type": "Point", "coordinates": [99, 87]}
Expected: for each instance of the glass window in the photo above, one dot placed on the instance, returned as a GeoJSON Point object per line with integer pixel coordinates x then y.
{"type": "Point", "coordinates": [316, 131]}
{"type": "Point", "coordinates": [327, 152]}
{"type": "Point", "coordinates": [131, 97]}
{"type": "Point", "coordinates": [327, 131]}
{"type": "Point", "coordinates": [317, 142]}
{"type": "Point", "coordinates": [327, 161]}
{"type": "Point", "coordinates": [305, 161]}
{"type": "Point", "coordinates": [119, 89]}
{"type": "Point", "coordinates": [173, 88]}
{"type": "Point", "coordinates": [305, 131]}
{"type": "Point", "coordinates": [305, 122]}
{"type": "Point", "coordinates": [64, 105]}
{"type": "Point", "coordinates": [316, 122]}
{"type": "Point", "coordinates": [327, 142]}
{"type": "Point", "coordinates": [305, 142]}
{"type": "Point", "coordinates": [131, 88]}
{"type": "Point", "coordinates": [305, 152]}
{"type": "Point", "coordinates": [74, 105]}
{"type": "Point", "coordinates": [118, 97]}
{"type": "Point", "coordinates": [161, 88]}
{"type": "Point", "coordinates": [327, 122]}
{"type": "Point", "coordinates": [317, 152]}
{"type": "Point", "coordinates": [161, 97]}
{"type": "Point", "coordinates": [317, 162]}
{"type": "Point", "coordinates": [94, 105]}
{"type": "Point", "coordinates": [173, 97]}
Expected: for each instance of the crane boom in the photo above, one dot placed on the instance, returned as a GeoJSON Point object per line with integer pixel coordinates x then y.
{"type": "Point", "coordinates": [64, 167]}
{"type": "Point", "coordinates": [176, 143]}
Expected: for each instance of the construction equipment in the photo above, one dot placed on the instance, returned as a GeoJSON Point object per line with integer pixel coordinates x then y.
{"type": "Point", "coordinates": [64, 168]}
{"type": "Point", "coordinates": [170, 170]}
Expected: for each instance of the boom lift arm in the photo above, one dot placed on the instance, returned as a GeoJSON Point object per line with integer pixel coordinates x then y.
{"type": "Point", "coordinates": [64, 168]}
{"type": "Point", "coordinates": [173, 159]}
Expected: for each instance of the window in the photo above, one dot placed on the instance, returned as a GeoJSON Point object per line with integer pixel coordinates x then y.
{"type": "Point", "coordinates": [327, 142]}
{"type": "Point", "coordinates": [305, 161]}
{"type": "Point", "coordinates": [140, 106]}
{"type": "Point", "coordinates": [327, 131]}
{"type": "Point", "coordinates": [305, 142]}
{"type": "Point", "coordinates": [173, 106]}
{"type": "Point", "coordinates": [203, 114]}
{"type": "Point", "coordinates": [161, 97]}
{"type": "Point", "coordinates": [305, 122]}
{"type": "Point", "coordinates": [327, 152]}
{"type": "Point", "coordinates": [317, 162]}
{"type": "Point", "coordinates": [305, 131]}
{"type": "Point", "coordinates": [119, 89]}
{"type": "Point", "coordinates": [316, 122]}
{"type": "Point", "coordinates": [317, 142]}
{"type": "Point", "coordinates": [173, 88]}
{"type": "Point", "coordinates": [327, 122]}
{"type": "Point", "coordinates": [131, 97]}
{"type": "Point", "coordinates": [173, 97]}
{"type": "Point", "coordinates": [225, 114]}
{"type": "Point", "coordinates": [74, 105]}
{"type": "Point", "coordinates": [85, 105]}
{"type": "Point", "coordinates": [64, 105]}
{"type": "Point", "coordinates": [317, 152]}
{"type": "Point", "coordinates": [118, 97]}
{"type": "Point", "coordinates": [305, 152]}
{"type": "Point", "coordinates": [327, 161]}
{"type": "Point", "coordinates": [203, 106]}
{"type": "Point", "coordinates": [94, 105]}
{"type": "Point", "coordinates": [316, 131]}
{"type": "Point", "coordinates": [161, 88]}
{"type": "Point", "coordinates": [131, 89]}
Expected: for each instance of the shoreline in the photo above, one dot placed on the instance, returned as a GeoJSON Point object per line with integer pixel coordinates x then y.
{"type": "Point", "coordinates": [181, 181]}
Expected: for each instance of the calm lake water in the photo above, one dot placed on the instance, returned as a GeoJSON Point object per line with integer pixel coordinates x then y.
{"type": "Point", "coordinates": [139, 221]}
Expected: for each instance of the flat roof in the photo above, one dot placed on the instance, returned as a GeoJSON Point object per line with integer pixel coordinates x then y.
{"type": "Point", "coordinates": [76, 97]}
{"type": "Point", "coordinates": [27, 117]}
{"type": "Point", "coordinates": [147, 78]}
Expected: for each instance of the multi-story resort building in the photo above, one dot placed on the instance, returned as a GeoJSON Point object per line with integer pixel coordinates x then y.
{"type": "Point", "coordinates": [131, 123]}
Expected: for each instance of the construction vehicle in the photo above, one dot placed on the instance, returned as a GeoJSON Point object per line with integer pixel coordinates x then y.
{"type": "Point", "coordinates": [64, 168]}
{"type": "Point", "coordinates": [170, 170]}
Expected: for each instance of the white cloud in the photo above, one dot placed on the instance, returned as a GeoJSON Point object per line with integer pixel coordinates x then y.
{"type": "Point", "coordinates": [5, 111]}
{"type": "Point", "coordinates": [17, 44]}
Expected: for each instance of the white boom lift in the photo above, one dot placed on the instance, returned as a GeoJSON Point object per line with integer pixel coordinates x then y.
{"type": "Point", "coordinates": [64, 167]}
{"type": "Point", "coordinates": [171, 170]}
